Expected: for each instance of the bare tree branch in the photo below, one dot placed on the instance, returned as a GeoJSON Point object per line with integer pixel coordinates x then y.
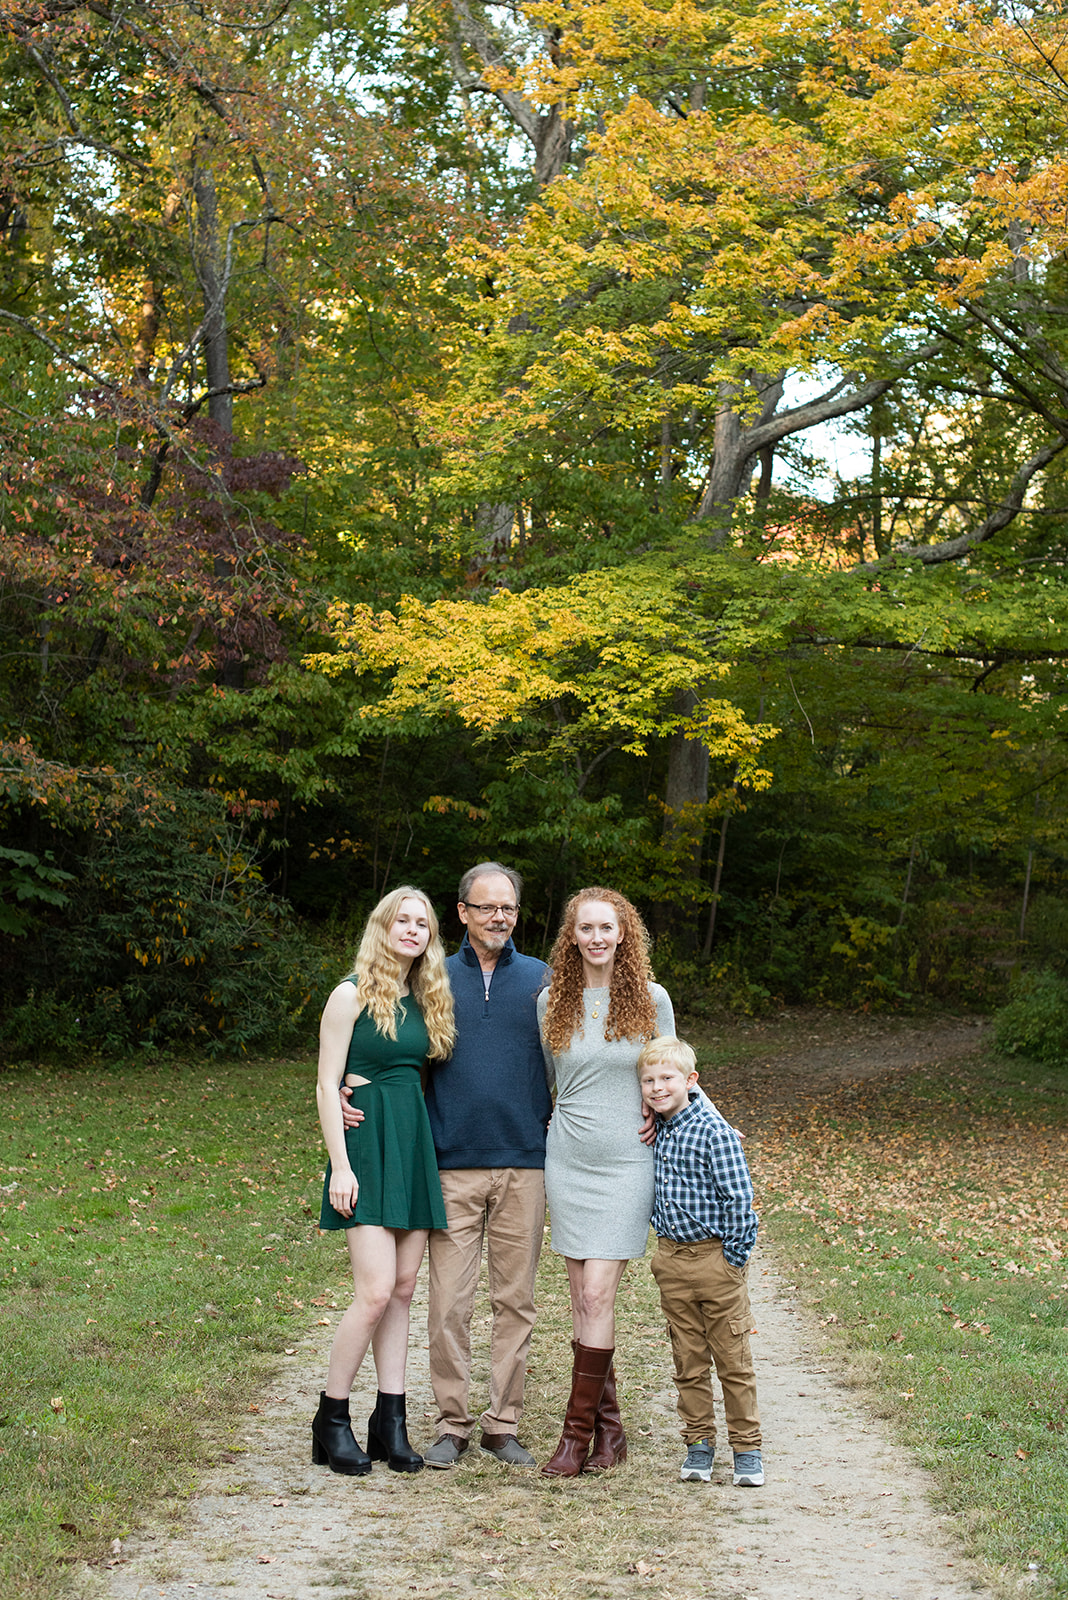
{"type": "Point", "coordinates": [57, 350]}
{"type": "Point", "coordinates": [549, 132]}
{"type": "Point", "coordinates": [1010, 507]}
{"type": "Point", "coordinates": [839, 401]}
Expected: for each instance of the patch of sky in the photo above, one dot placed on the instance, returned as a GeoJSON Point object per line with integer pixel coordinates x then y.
{"type": "Point", "coordinates": [836, 452]}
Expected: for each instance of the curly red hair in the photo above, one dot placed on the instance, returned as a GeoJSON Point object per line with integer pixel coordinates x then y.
{"type": "Point", "coordinates": [631, 1011]}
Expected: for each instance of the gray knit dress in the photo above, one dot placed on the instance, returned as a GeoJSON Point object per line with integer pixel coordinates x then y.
{"type": "Point", "coordinates": [598, 1174]}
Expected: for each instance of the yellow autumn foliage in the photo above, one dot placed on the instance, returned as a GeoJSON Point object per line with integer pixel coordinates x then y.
{"type": "Point", "coordinates": [615, 646]}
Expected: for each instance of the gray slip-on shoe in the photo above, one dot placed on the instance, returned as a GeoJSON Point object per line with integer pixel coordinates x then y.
{"type": "Point", "coordinates": [506, 1447]}
{"type": "Point", "coordinates": [445, 1451]}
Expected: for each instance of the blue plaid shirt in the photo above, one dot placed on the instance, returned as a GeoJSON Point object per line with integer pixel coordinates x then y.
{"type": "Point", "coordinates": [703, 1188]}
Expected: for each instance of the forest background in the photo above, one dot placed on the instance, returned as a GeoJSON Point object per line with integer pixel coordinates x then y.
{"type": "Point", "coordinates": [411, 422]}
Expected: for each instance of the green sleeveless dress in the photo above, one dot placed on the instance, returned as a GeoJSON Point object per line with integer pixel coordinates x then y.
{"type": "Point", "coordinates": [392, 1150]}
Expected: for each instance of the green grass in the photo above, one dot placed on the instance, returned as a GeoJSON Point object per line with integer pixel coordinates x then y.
{"type": "Point", "coordinates": [158, 1252]}
{"type": "Point", "coordinates": [157, 1245]}
{"type": "Point", "coordinates": [926, 1223]}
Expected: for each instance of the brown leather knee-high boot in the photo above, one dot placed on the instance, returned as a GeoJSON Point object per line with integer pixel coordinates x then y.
{"type": "Point", "coordinates": [588, 1376]}
{"type": "Point", "coordinates": [609, 1440]}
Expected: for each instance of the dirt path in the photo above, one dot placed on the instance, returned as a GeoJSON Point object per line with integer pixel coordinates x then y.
{"type": "Point", "coordinates": [844, 1514]}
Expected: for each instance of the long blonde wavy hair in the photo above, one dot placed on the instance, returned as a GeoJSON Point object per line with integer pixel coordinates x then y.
{"type": "Point", "coordinates": [631, 1011]}
{"type": "Point", "coordinates": [377, 971]}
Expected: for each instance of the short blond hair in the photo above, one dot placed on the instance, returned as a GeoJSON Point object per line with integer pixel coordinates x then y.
{"type": "Point", "coordinates": [669, 1051]}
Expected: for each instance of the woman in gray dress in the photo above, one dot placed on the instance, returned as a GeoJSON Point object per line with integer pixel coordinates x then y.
{"type": "Point", "coordinates": [599, 1009]}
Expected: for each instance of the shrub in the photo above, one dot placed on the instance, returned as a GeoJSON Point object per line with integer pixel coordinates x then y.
{"type": "Point", "coordinates": [700, 987]}
{"type": "Point", "coordinates": [1035, 1021]}
{"type": "Point", "coordinates": [170, 938]}
{"type": "Point", "coordinates": [1047, 932]}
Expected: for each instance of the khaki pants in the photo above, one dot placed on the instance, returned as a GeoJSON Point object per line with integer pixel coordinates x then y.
{"type": "Point", "coordinates": [505, 1208]}
{"type": "Point", "coordinates": [706, 1303]}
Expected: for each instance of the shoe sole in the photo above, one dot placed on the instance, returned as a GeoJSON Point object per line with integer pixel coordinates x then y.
{"type": "Point", "coordinates": [695, 1475]}
{"type": "Point", "coordinates": [749, 1481]}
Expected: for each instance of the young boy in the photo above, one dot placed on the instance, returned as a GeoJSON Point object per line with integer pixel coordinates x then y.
{"type": "Point", "coordinates": [706, 1227]}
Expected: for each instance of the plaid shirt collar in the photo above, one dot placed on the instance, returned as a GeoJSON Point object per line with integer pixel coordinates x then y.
{"type": "Point", "coordinates": [678, 1122]}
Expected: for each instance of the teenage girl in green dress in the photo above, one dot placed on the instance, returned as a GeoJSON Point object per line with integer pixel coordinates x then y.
{"type": "Point", "coordinates": [378, 1028]}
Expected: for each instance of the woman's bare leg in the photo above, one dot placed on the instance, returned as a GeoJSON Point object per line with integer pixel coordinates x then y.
{"type": "Point", "coordinates": [594, 1285]}
{"type": "Point", "coordinates": [373, 1257]}
{"type": "Point", "coordinates": [390, 1338]}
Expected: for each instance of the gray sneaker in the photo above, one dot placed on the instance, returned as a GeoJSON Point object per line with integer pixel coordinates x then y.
{"type": "Point", "coordinates": [506, 1448]}
{"type": "Point", "coordinates": [748, 1469]}
{"type": "Point", "coordinates": [445, 1451]}
{"type": "Point", "coordinates": [697, 1468]}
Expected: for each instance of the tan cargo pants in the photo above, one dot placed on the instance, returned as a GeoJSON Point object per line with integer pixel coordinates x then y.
{"type": "Point", "coordinates": [706, 1303]}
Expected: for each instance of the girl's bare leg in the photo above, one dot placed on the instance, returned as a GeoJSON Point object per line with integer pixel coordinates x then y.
{"type": "Point", "coordinates": [390, 1337]}
{"type": "Point", "coordinates": [373, 1257]}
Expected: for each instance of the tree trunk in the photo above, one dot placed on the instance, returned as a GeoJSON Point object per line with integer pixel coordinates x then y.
{"type": "Point", "coordinates": [733, 449]}
{"type": "Point", "coordinates": [736, 443]}
{"type": "Point", "coordinates": [908, 886]}
{"type": "Point", "coordinates": [211, 273]}
{"type": "Point", "coordinates": [710, 931]}
{"type": "Point", "coordinates": [552, 146]}
{"type": "Point", "coordinates": [550, 134]}
{"type": "Point", "coordinates": [762, 493]}
{"type": "Point", "coordinates": [685, 799]}
{"type": "Point", "coordinates": [494, 524]}
{"type": "Point", "coordinates": [147, 331]}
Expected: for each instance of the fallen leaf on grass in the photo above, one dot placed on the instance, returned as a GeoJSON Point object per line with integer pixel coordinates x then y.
{"type": "Point", "coordinates": [641, 1569]}
{"type": "Point", "coordinates": [265, 1561]}
{"type": "Point", "coordinates": [279, 1502]}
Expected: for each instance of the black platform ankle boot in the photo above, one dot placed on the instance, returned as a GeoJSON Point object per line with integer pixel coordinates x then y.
{"type": "Point", "coordinates": [387, 1435]}
{"type": "Point", "coordinates": [333, 1443]}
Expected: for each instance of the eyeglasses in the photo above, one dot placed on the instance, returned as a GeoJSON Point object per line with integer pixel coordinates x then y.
{"type": "Point", "coordinates": [490, 910]}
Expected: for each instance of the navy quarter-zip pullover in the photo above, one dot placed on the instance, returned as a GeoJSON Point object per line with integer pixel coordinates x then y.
{"type": "Point", "coordinates": [489, 1104]}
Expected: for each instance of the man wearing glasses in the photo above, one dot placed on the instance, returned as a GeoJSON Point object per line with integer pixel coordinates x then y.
{"type": "Point", "coordinates": [489, 1107]}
